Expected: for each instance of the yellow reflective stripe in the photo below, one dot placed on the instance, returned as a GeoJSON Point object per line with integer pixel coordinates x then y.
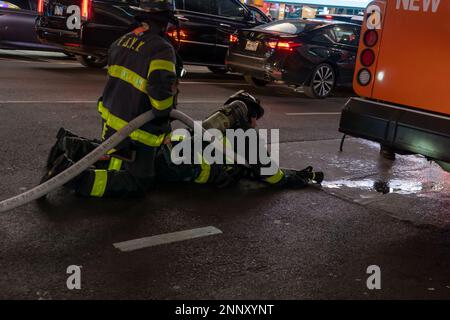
{"type": "Point", "coordinates": [141, 136]}
{"type": "Point", "coordinates": [115, 122]}
{"type": "Point", "coordinates": [115, 164]}
{"type": "Point", "coordinates": [206, 171]}
{"type": "Point", "coordinates": [128, 76]}
{"type": "Point", "coordinates": [140, 83]}
{"type": "Point", "coordinates": [177, 137]}
{"type": "Point", "coordinates": [103, 111]}
{"type": "Point", "coordinates": [162, 104]}
{"type": "Point", "coordinates": [161, 65]}
{"type": "Point", "coordinates": [276, 177]}
{"type": "Point", "coordinates": [146, 138]}
{"type": "Point", "coordinates": [105, 128]}
{"type": "Point", "coordinates": [99, 187]}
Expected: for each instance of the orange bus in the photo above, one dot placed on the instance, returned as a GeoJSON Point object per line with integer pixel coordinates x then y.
{"type": "Point", "coordinates": [402, 78]}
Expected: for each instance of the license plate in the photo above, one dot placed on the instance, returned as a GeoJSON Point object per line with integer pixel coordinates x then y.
{"type": "Point", "coordinates": [251, 45]}
{"type": "Point", "coordinates": [59, 10]}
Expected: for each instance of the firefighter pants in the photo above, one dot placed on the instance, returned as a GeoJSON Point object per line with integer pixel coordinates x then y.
{"type": "Point", "coordinates": [112, 177]}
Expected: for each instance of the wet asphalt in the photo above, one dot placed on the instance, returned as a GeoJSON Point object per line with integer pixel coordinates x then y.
{"type": "Point", "coordinates": [275, 244]}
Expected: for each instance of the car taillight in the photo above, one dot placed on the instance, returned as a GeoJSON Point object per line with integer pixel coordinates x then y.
{"type": "Point", "coordinates": [40, 7]}
{"type": "Point", "coordinates": [233, 38]}
{"type": "Point", "coordinates": [272, 44]}
{"type": "Point", "coordinates": [283, 45]}
{"type": "Point", "coordinates": [364, 77]}
{"type": "Point", "coordinates": [370, 38]}
{"type": "Point", "coordinates": [86, 9]}
{"type": "Point", "coordinates": [367, 57]}
{"type": "Point", "coordinates": [69, 44]}
{"type": "Point", "coordinates": [174, 34]}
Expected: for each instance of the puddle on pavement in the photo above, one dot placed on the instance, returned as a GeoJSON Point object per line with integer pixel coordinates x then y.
{"type": "Point", "coordinates": [393, 186]}
{"type": "Point", "coordinates": [432, 182]}
{"type": "Point", "coordinates": [407, 175]}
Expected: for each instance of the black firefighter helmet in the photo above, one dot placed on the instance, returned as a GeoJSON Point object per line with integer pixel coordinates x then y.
{"type": "Point", "coordinates": [255, 110]}
{"type": "Point", "coordinates": [156, 10]}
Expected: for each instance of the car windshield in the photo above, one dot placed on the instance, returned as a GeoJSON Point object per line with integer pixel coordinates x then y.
{"type": "Point", "coordinates": [286, 26]}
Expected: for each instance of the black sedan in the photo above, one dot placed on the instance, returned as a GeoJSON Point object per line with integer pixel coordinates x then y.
{"type": "Point", "coordinates": [17, 26]}
{"type": "Point", "coordinates": [315, 54]}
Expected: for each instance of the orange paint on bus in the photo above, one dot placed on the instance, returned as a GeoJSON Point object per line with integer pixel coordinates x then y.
{"type": "Point", "coordinates": [412, 54]}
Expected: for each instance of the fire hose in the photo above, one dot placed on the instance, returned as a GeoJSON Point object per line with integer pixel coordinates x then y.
{"type": "Point", "coordinates": [86, 162]}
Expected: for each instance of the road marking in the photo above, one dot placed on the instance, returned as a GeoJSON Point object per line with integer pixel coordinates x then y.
{"type": "Point", "coordinates": [166, 238]}
{"type": "Point", "coordinates": [314, 114]}
{"type": "Point", "coordinates": [216, 83]}
{"type": "Point", "coordinates": [39, 61]}
{"type": "Point", "coordinates": [49, 102]}
{"type": "Point", "coordinates": [95, 101]}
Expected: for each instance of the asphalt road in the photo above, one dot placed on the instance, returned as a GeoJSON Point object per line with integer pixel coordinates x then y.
{"type": "Point", "coordinates": [275, 244]}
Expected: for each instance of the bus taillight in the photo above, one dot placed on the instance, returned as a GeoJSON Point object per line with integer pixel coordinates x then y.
{"type": "Point", "coordinates": [367, 57]}
{"type": "Point", "coordinates": [364, 77]}
{"type": "Point", "coordinates": [370, 38]}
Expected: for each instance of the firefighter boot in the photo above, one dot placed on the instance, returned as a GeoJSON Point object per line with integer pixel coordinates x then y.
{"type": "Point", "coordinates": [76, 148]}
{"type": "Point", "coordinates": [58, 148]}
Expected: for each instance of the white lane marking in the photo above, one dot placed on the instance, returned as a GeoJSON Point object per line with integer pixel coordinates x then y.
{"type": "Point", "coordinates": [39, 61]}
{"type": "Point", "coordinates": [95, 101]}
{"type": "Point", "coordinates": [141, 243]}
{"type": "Point", "coordinates": [313, 114]}
{"type": "Point", "coordinates": [215, 83]}
{"type": "Point", "coordinates": [201, 101]}
{"type": "Point", "coordinates": [48, 54]}
{"type": "Point", "coordinates": [49, 102]}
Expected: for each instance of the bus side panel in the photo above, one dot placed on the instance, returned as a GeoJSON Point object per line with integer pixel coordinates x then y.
{"type": "Point", "coordinates": [413, 67]}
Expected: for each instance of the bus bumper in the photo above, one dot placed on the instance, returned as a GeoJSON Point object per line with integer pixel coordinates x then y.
{"type": "Point", "coordinates": [402, 129]}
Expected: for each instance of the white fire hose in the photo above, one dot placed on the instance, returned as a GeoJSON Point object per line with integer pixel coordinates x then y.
{"type": "Point", "coordinates": [76, 169]}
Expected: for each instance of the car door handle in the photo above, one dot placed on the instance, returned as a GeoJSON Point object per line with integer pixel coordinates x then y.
{"type": "Point", "coordinates": [182, 18]}
{"type": "Point", "coordinates": [225, 25]}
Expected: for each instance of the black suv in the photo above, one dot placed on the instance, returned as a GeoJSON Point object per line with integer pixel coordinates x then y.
{"type": "Point", "coordinates": [206, 26]}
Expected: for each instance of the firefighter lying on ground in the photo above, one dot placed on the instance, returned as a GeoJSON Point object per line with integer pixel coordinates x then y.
{"type": "Point", "coordinates": [241, 111]}
{"type": "Point", "coordinates": [70, 148]}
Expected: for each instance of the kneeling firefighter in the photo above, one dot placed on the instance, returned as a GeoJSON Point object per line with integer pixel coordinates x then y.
{"type": "Point", "coordinates": [141, 77]}
{"type": "Point", "coordinates": [241, 111]}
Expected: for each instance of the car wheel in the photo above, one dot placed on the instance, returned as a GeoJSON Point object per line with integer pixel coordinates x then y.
{"type": "Point", "coordinates": [255, 82]}
{"type": "Point", "coordinates": [218, 70]}
{"type": "Point", "coordinates": [93, 62]}
{"type": "Point", "coordinates": [322, 82]}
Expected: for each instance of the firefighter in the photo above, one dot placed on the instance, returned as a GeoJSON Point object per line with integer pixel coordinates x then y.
{"type": "Point", "coordinates": [141, 77]}
{"type": "Point", "coordinates": [240, 111]}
